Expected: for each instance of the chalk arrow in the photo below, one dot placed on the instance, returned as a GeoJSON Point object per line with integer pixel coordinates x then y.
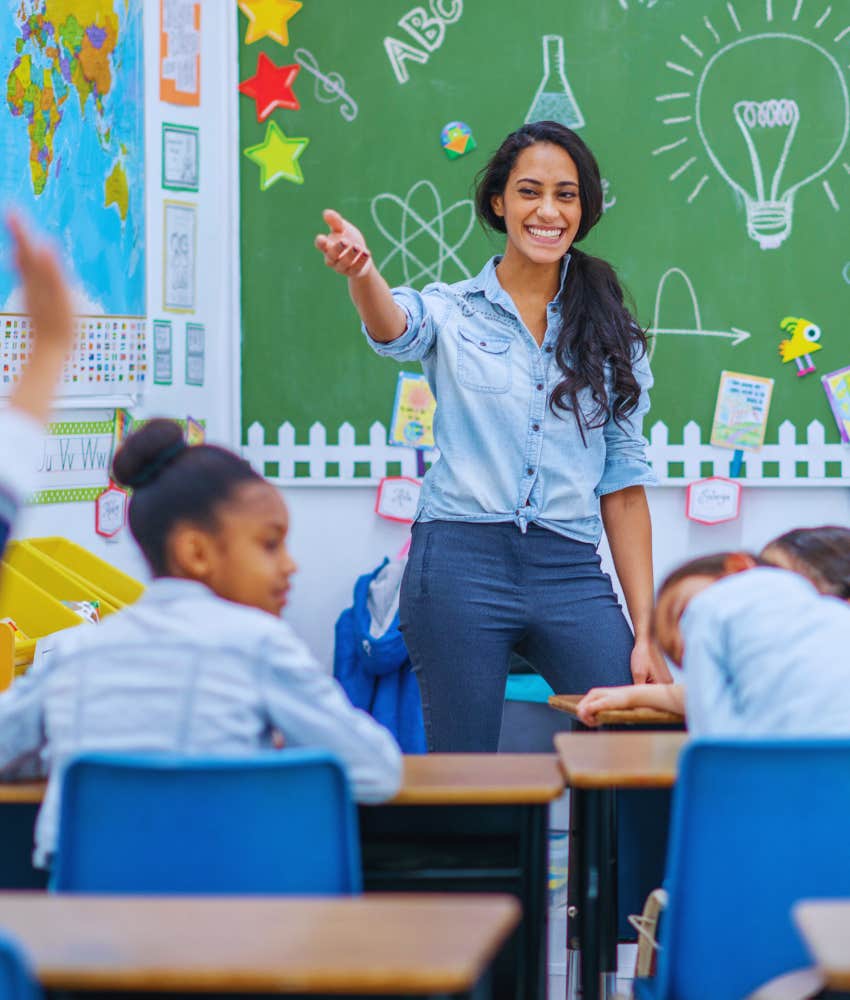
{"type": "Point", "coordinates": [734, 334]}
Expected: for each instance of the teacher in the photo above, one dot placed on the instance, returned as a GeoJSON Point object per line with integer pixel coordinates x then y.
{"type": "Point", "coordinates": [541, 377]}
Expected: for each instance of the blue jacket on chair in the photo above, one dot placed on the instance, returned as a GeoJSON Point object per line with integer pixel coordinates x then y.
{"type": "Point", "coordinates": [371, 661]}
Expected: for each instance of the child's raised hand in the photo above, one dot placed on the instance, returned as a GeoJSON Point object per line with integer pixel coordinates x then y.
{"type": "Point", "coordinates": [344, 247]}
{"type": "Point", "coordinates": [47, 299]}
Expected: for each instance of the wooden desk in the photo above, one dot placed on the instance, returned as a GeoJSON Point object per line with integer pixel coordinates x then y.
{"type": "Point", "coordinates": [595, 764]}
{"type": "Point", "coordinates": [388, 945]}
{"type": "Point", "coordinates": [825, 927]}
{"type": "Point", "coordinates": [618, 717]}
{"type": "Point", "coordinates": [473, 823]}
{"type": "Point", "coordinates": [19, 805]}
{"type": "Point", "coordinates": [30, 792]}
{"type": "Point", "coordinates": [461, 822]}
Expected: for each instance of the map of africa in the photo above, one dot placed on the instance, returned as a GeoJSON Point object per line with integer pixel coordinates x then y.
{"type": "Point", "coordinates": [72, 143]}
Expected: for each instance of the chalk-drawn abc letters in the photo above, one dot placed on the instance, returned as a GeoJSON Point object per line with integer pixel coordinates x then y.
{"type": "Point", "coordinates": [427, 30]}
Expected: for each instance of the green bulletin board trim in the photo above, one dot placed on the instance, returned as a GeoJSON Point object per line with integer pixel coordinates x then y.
{"type": "Point", "coordinates": [66, 496]}
{"type": "Point", "coordinates": [81, 427]}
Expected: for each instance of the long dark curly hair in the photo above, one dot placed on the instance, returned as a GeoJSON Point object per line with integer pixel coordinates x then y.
{"type": "Point", "coordinates": [598, 329]}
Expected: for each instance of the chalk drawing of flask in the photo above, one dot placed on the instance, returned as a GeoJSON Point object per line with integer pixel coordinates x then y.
{"type": "Point", "coordinates": [554, 99]}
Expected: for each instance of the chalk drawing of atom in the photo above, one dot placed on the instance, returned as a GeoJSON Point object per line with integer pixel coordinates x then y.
{"type": "Point", "coordinates": [424, 236]}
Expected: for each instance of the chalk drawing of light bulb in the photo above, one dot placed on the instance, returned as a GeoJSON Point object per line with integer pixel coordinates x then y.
{"type": "Point", "coordinates": [554, 100]}
{"type": "Point", "coordinates": [773, 113]}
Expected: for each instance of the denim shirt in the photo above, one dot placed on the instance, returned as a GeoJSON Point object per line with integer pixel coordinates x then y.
{"type": "Point", "coordinates": [183, 671]}
{"type": "Point", "coordinates": [765, 655]}
{"type": "Point", "coordinates": [504, 456]}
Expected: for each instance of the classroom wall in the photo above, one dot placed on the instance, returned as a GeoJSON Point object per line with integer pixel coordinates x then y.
{"type": "Point", "coordinates": [335, 533]}
{"type": "Point", "coordinates": [217, 401]}
{"type": "Point", "coordinates": [336, 536]}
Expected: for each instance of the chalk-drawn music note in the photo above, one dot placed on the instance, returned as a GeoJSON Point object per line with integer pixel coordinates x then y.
{"type": "Point", "coordinates": [329, 87]}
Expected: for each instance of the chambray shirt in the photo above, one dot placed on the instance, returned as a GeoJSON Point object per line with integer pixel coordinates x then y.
{"type": "Point", "coordinates": [504, 456]}
{"type": "Point", "coordinates": [20, 436]}
{"type": "Point", "coordinates": [766, 655]}
{"type": "Point", "coordinates": [184, 671]}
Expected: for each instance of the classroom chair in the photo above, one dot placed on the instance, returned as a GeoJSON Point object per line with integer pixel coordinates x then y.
{"type": "Point", "coordinates": [757, 825]}
{"type": "Point", "coordinates": [275, 823]}
{"type": "Point", "coordinates": [16, 979]}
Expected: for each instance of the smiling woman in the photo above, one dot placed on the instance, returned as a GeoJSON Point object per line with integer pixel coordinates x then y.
{"type": "Point", "coordinates": [541, 379]}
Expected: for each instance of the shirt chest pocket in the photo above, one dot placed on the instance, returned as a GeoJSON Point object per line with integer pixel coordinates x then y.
{"type": "Point", "coordinates": [483, 362]}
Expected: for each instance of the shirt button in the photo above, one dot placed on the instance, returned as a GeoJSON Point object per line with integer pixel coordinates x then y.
{"type": "Point", "coordinates": [482, 343]}
{"type": "Point", "coordinates": [549, 349]}
{"type": "Point", "coordinates": [530, 472]}
{"type": "Point", "coordinates": [539, 386]}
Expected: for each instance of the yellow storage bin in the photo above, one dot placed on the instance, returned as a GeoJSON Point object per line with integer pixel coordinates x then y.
{"type": "Point", "coordinates": [116, 587]}
{"type": "Point", "coordinates": [38, 574]}
{"type": "Point", "coordinates": [33, 610]}
{"type": "Point", "coordinates": [51, 576]}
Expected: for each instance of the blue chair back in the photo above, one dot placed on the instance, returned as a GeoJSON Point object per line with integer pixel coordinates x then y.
{"type": "Point", "coordinates": [16, 980]}
{"type": "Point", "coordinates": [756, 826]}
{"type": "Point", "coordinates": [277, 823]}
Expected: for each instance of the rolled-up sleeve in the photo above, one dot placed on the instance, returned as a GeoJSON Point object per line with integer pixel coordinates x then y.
{"type": "Point", "coordinates": [311, 710]}
{"type": "Point", "coordinates": [625, 446]}
{"type": "Point", "coordinates": [425, 311]}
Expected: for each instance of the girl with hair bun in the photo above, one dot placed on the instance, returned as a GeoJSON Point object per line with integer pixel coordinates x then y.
{"type": "Point", "coordinates": [202, 663]}
{"type": "Point", "coordinates": [541, 378]}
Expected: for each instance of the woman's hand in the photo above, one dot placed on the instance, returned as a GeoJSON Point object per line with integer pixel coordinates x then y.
{"type": "Point", "coordinates": [344, 247]}
{"type": "Point", "coordinates": [604, 699]}
{"type": "Point", "coordinates": [648, 665]}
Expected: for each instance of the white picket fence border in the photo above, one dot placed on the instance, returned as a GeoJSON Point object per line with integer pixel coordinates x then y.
{"type": "Point", "coordinates": [781, 457]}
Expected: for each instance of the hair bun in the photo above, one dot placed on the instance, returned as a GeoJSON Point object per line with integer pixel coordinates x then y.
{"type": "Point", "coordinates": [147, 451]}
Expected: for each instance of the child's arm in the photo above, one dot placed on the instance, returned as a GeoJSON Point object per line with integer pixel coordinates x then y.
{"type": "Point", "coordinates": [311, 710]}
{"type": "Point", "coordinates": [22, 722]}
{"type": "Point", "coordinates": [345, 250]}
{"type": "Point", "coordinates": [664, 697]}
{"type": "Point", "coordinates": [48, 303]}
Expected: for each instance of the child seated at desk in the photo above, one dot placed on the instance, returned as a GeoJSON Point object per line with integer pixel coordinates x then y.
{"type": "Point", "coordinates": [47, 302]}
{"type": "Point", "coordinates": [760, 647]}
{"type": "Point", "coordinates": [201, 664]}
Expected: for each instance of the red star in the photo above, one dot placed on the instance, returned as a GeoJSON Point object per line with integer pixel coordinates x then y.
{"type": "Point", "coordinates": [271, 87]}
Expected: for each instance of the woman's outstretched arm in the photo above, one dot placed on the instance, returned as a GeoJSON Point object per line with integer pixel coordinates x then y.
{"type": "Point", "coordinates": [345, 251]}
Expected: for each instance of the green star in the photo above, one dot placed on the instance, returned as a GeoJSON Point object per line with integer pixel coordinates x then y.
{"type": "Point", "coordinates": [278, 157]}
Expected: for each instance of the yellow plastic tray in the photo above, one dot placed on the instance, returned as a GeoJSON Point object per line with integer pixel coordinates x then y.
{"type": "Point", "coordinates": [54, 578]}
{"type": "Point", "coordinates": [33, 610]}
{"type": "Point", "coordinates": [116, 587]}
{"type": "Point", "coordinates": [38, 574]}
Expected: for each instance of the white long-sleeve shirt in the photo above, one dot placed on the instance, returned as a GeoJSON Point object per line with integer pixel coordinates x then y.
{"type": "Point", "coordinates": [20, 435]}
{"type": "Point", "coordinates": [184, 671]}
{"type": "Point", "coordinates": [766, 655]}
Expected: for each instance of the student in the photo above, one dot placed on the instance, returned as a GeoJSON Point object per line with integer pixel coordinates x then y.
{"type": "Point", "coordinates": [821, 554]}
{"type": "Point", "coordinates": [47, 302]}
{"type": "Point", "coordinates": [201, 664]}
{"type": "Point", "coordinates": [761, 648]}
{"type": "Point", "coordinates": [542, 380]}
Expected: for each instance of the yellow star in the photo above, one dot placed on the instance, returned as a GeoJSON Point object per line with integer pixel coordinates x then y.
{"type": "Point", "coordinates": [269, 17]}
{"type": "Point", "coordinates": [278, 157]}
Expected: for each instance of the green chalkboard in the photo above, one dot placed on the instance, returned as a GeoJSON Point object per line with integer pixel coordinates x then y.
{"type": "Point", "coordinates": [721, 130]}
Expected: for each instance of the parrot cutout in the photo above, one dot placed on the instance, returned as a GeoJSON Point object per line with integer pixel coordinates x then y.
{"type": "Point", "coordinates": [802, 343]}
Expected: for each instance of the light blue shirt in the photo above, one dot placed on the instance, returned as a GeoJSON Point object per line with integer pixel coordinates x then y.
{"type": "Point", "coordinates": [504, 456]}
{"type": "Point", "coordinates": [184, 671]}
{"type": "Point", "coordinates": [766, 655]}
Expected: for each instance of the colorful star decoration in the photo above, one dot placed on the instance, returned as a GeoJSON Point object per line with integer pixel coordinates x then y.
{"type": "Point", "coordinates": [271, 87]}
{"type": "Point", "coordinates": [278, 156]}
{"type": "Point", "coordinates": [269, 18]}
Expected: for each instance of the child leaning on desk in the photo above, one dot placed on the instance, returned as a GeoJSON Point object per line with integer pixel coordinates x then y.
{"type": "Point", "coordinates": [48, 304]}
{"type": "Point", "coordinates": [760, 646]}
{"type": "Point", "coordinates": [201, 664]}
